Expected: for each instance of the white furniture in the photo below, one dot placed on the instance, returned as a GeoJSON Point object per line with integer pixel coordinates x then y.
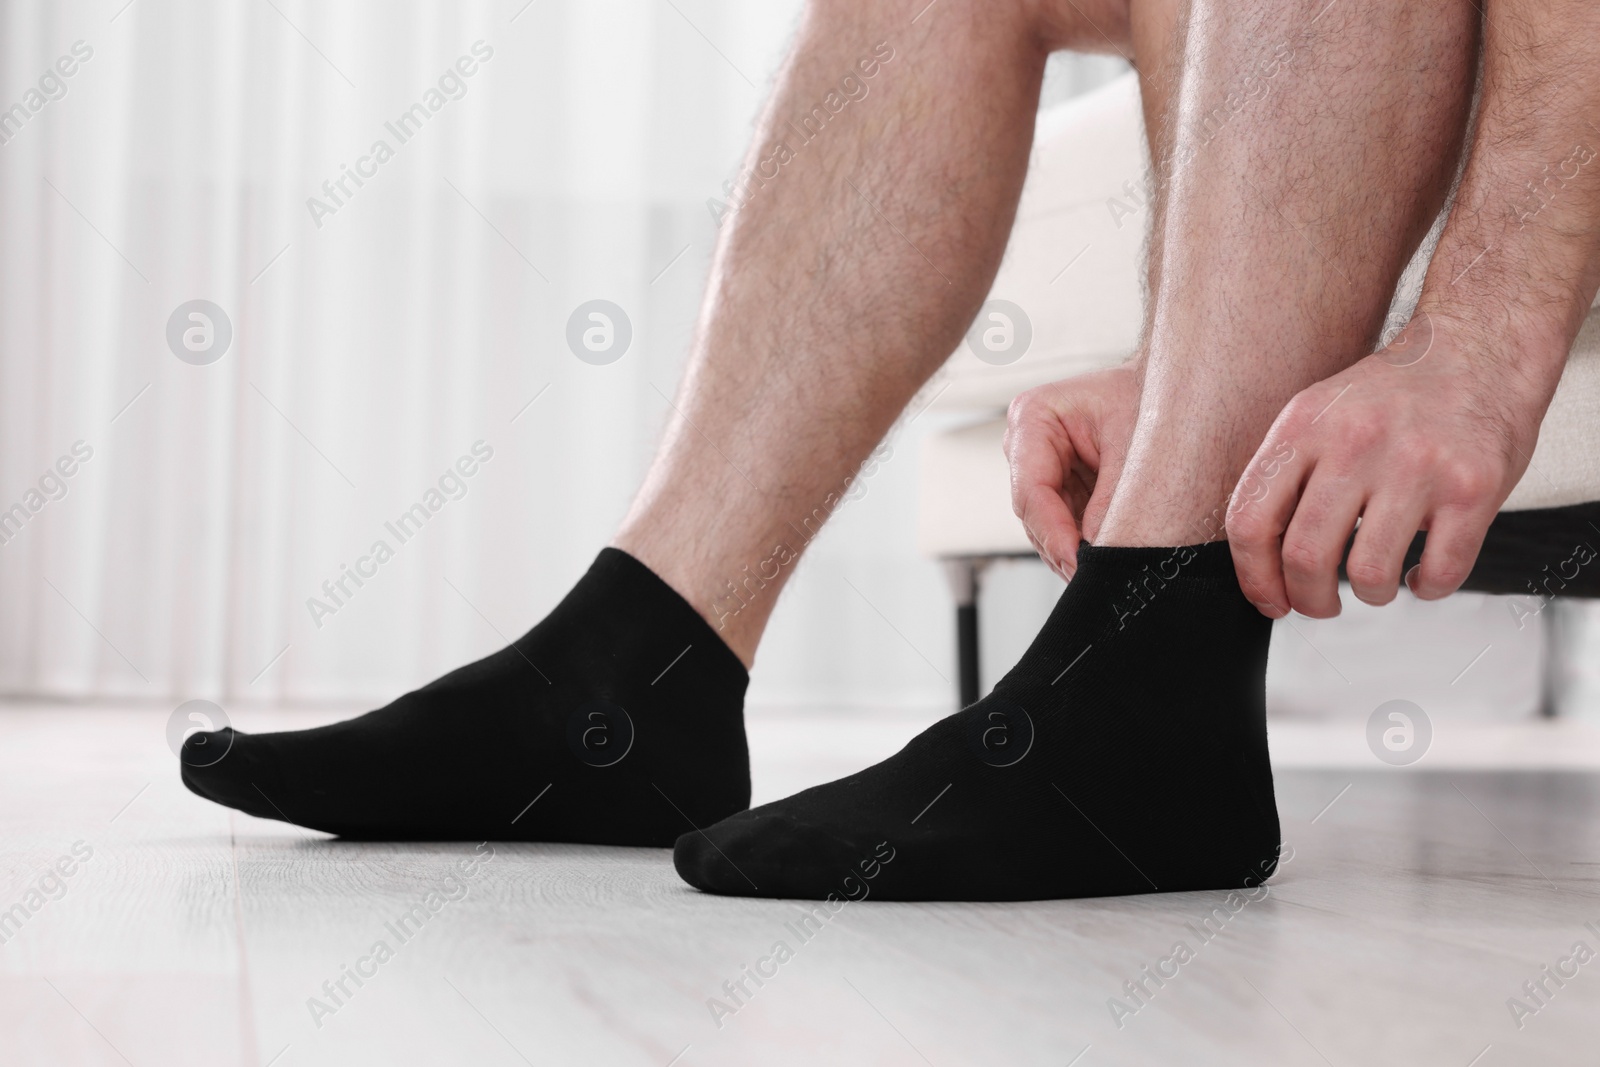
{"type": "Point", "coordinates": [1072, 279]}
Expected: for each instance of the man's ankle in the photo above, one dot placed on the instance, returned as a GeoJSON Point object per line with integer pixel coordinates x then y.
{"type": "Point", "coordinates": [736, 609]}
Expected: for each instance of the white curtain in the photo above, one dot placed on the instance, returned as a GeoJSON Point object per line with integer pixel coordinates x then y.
{"type": "Point", "coordinates": [376, 340]}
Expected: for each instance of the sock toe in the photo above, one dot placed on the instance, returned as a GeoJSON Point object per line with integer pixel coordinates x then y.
{"type": "Point", "coordinates": [221, 766]}
{"type": "Point", "coordinates": [207, 748]}
{"type": "Point", "coordinates": [198, 759]}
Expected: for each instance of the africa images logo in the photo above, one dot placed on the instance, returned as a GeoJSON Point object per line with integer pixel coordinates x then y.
{"type": "Point", "coordinates": [199, 332]}
{"type": "Point", "coordinates": [600, 733]}
{"type": "Point", "coordinates": [999, 732]}
{"type": "Point", "coordinates": [1399, 732]}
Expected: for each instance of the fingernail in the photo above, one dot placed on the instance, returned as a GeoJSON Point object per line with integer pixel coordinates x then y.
{"type": "Point", "coordinates": [1411, 578]}
{"type": "Point", "coordinates": [1271, 611]}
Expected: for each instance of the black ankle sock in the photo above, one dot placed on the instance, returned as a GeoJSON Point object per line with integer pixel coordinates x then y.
{"type": "Point", "coordinates": [617, 720]}
{"type": "Point", "coordinates": [1125, 753]}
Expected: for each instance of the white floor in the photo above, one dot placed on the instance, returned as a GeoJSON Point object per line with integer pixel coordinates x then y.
{"type": "Point", "coordinates": [1417, 902]}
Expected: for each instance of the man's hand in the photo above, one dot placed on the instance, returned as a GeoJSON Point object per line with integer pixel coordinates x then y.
{"type": "Point", "coordinates": [1065, 443]}
{"type": "Point", "coordinates": [1436, 442]}
{"type": "Point", "coordinates": [1423, 435]}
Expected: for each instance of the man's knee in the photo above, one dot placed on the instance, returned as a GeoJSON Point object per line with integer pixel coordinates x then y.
{"type": "Point", "coordinates": [1084, 25]}
{"type": "Point", "coordinates": [1056, 25]}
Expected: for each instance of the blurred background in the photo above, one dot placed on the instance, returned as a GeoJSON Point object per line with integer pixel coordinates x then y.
{"type": "Point", "coordinates": [379, 329]}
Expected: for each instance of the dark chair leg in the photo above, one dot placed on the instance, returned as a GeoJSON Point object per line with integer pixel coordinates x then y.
{"type": "Point", "coordinates": [1555, 630]}
{"type": "Point", "coordinates": [964, 574]}
{"type": "Point", "coordinates": [967, 652]}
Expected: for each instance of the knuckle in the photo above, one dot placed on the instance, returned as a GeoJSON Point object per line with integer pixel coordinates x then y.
{"type": "Point", "coordinates": [1246, 528]}
{"type": "Point", "coordinates": [1424, 450]}
{"type": "Point", "coordinates": [1298, 413]}
{"type": "Point", "coordinates": [1025, 407]}
{"type": "Point", "coordinates": [1446, 574]}
{"type": "Point", "coordinates": [1371, 575]}
{"type": "Point", "coordinates": [1414, 457]}
{"type": "Point", "coordinates": [1361, 431]}
{"type": "Point", "coordinates": [1302, 559]}
{"type": "Point", "coordinates": [1308, 411]}
{"type": "Point", "coordinates": [1465, 480]}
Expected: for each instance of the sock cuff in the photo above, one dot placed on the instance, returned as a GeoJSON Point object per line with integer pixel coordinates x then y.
{"type": "Point", "coordinates": [1201, 570]}
{"type": "Point", "coordinates": [626, 579]}
{"type": "Point", "coordinates": [1210, 557]}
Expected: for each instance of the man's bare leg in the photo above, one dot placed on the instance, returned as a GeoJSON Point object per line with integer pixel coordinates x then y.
{"type": "Point", "coordinates": [1281, 230]}
{"type": "Point", "coordinates": [838, 289]}
{"type": "Point", "coordinates": [1126, 752]}
{"type": "Point", "coordinates": [846, 279]}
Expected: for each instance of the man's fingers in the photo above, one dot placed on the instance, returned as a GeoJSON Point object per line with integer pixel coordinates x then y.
{"type": "Point", "coordinates": [1258, 514]}
{"type": "Point", "coordinates": [1454, 539]}
{"type": "Point", "coordinates": [1052, 529]}
{"type": "Point", "coordinates": [1040, 451]}
{"type": "Point", "coordinates": [1388, 524]}
{"type": "Point", "coordinates": [1314, 543]}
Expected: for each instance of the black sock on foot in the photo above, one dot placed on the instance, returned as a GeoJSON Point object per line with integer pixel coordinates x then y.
{"type": "Point", "coordinates": [1125, 753]}
{"type": "Point", "coordinates": [617, 720]}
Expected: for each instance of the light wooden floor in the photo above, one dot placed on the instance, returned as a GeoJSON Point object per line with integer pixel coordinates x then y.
{"type": "Point", "coordinates": [1415, 905]}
